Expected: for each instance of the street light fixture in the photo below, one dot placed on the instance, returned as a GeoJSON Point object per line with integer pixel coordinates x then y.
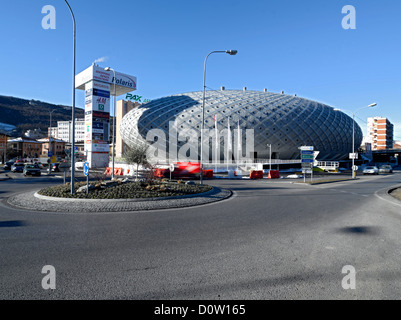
{"type": "Point", "coordinates": [114, 119]}
{"type": "Point", "coordinates": [73, 105]}
{"type": "Point", "coordinates": [231, 53]}
{"type": "Point", "coordinates": [353, 137]}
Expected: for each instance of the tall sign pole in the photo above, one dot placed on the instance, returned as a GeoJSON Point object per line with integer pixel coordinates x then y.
{"type": "Point", "coordinates": [73, 105]}
{"type": "Point", "coordinates": [97, 82]}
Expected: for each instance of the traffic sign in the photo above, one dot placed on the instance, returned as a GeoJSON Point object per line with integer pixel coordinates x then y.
{"type": "Point", "coordinates": [306, 166]}
{"type": "Point", "coordinates": [307, 156]}
{"type": "Point", "coordinates": [64, 165]}
{"type": "Point", "coordinates": [50, 154]}
{"type": "Point", "coordinates": [307, 160]}
{"type": "Point", "coordinates": [86, 168]}
{"type": "Point", "coordinates": [305, 148]}
{"type": "Point", "coordinates": [307, 152]}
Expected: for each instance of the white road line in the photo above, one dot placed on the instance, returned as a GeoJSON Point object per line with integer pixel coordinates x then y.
{"type": "Point", "coordinates": [395, 202]}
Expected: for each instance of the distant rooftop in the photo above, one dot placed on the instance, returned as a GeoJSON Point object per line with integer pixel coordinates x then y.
{"type": "Point", "coordinates": [5, 127]}
{"type": "Point", "coordinates": [21, 139]}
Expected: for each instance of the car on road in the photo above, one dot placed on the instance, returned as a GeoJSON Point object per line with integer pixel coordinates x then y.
{"type": "Point", "coordinates": [32, 169]}
{"type": "Point", "coordinates": [386, 169]}
{"type": "Point", "coordinates": [55, 167]}
{"type": "Point", "coordinates": [371, 170]}
{"type": "Point", "coordinates": [18, 167]}
{"type": "Point", "coordinates": [8, 165]}
{"type": "Point", "coordinates": [39, 164]}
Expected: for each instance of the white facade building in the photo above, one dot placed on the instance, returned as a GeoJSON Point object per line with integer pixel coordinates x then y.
{"type": "Point", "coordinates": [64, 130]}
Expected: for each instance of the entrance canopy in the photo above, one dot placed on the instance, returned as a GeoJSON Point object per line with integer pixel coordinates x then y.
{"type": "Point", "coordinates": [124, 83]}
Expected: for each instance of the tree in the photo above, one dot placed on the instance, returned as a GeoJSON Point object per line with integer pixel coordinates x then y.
{"type": "Point", "coordinates": [10, 152]}
{"type": "Point", "coordinates": [136, 155]}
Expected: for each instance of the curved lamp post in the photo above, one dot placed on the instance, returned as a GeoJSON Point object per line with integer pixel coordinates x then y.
{"type": "Point", "coordinates": [73, 105]}
{"type": "Point", "coordinates": [231, 53]}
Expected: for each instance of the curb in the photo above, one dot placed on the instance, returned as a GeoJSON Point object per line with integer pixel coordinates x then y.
{"type": "Point", "coordinates": [324, 182]}
{"type": "Point", "coordinates": [6, 178]}
{"type": "Point", "coordinates": [389, 191]}
{"type": "Point", "coordinates": [39, 196]}
{"type": "Point", "coordinates": [30, 201]}
{"type": "Point", "coordinates": [384, 194]}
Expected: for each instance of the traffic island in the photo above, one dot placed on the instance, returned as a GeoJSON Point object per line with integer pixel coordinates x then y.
{"type": "Point", "coordinates": [125, 189]}
{"type": "Point", "coordinates": [123, 197]}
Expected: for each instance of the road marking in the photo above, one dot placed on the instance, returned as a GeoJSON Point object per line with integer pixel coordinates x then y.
{"type": "Point", "coordinates": [337, 190]}
{"type": "Point", "coordinates": [392, 201]}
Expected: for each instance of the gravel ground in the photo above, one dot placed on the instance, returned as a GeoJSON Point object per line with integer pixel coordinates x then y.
{"type": "Point", "coordinates": [30, 202]}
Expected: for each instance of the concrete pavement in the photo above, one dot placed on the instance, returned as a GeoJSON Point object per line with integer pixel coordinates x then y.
{"type": "Point", "coordinates": [271, 240]}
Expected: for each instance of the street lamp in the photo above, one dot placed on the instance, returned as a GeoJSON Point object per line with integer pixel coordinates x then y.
{"type": "Point", "coordinates": [114, 119]}
{"type": "Point", "coordinates": [73, 105]}
{"type": "Point", "coordinates": [231, 53]}
{"type": "Point", "coordinates": [353, 136]}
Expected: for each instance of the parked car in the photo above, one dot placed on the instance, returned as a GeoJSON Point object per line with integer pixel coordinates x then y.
{"type": "Point", "coordinates": [386, 169]}
{"type": "Point", "coordinates": [8, 165]}
{"type": "Point", "coordinates": [371, 170]}
{"type": "Point", "coordinates": [55, 166]}
{"type": "Point", "coordinates": [39, 164]}
{"type": "Point", "coordinates": [32, 169]}
{"type": "Point", "coordinates": [17, 167]}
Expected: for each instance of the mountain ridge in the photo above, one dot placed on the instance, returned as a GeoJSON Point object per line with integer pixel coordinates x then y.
{"type": "Point", "coordinates": [33, 114]}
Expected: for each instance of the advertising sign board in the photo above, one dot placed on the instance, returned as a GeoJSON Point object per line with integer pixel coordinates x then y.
{"type": "Point", "coordinates": [99, 85]}
{"type": "Point", "coordinates": [124, 83]}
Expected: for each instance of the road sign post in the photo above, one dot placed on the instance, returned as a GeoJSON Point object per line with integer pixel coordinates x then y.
{"type": "Point", "coordinates": [307, 160]}
{"type": "Point", "coordinates": [86, 173]}
{"type": "Point", "coordinates": [64, 166]}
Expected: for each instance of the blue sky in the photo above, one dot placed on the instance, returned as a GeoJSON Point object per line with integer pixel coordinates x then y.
{"type": "Point", "coordinates": [296, 46]}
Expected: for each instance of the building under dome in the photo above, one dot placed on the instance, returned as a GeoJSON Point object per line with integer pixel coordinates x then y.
{"type": "Point", "coordinates": [284, 121]}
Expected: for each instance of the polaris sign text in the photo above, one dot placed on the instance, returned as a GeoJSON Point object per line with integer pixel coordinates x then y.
{"type": "Point", "coordinates": [124, 83]}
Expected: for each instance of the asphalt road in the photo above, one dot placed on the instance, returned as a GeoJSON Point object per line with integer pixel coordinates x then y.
{"type": "Point", "coordinates": [271, 240]}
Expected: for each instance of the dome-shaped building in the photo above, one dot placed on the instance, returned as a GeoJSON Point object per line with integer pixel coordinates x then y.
{"type": "Point", "coordinates": [284, 121]}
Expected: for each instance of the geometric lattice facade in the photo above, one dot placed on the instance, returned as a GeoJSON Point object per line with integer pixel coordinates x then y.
{"type": "Point", "coordinates": [285, 121]}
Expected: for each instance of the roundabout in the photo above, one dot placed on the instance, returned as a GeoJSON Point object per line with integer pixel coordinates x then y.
{"type": "Point", "coordinates": [33, 201]}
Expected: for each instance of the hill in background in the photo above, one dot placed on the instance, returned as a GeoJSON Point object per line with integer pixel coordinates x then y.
{"type": "Point", "coordinates": [33, 114]}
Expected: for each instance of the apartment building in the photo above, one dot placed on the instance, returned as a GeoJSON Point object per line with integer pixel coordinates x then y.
{"type": "Point", "coordinates": [380, 133]}
{"type": "Point", "coordinates": [64, 130]}
{"type": "Point", "coordinates": [122, 108]}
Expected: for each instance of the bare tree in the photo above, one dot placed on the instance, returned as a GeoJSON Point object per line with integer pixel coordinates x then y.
{"type": "Point", "coordinates": [136, 155]}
